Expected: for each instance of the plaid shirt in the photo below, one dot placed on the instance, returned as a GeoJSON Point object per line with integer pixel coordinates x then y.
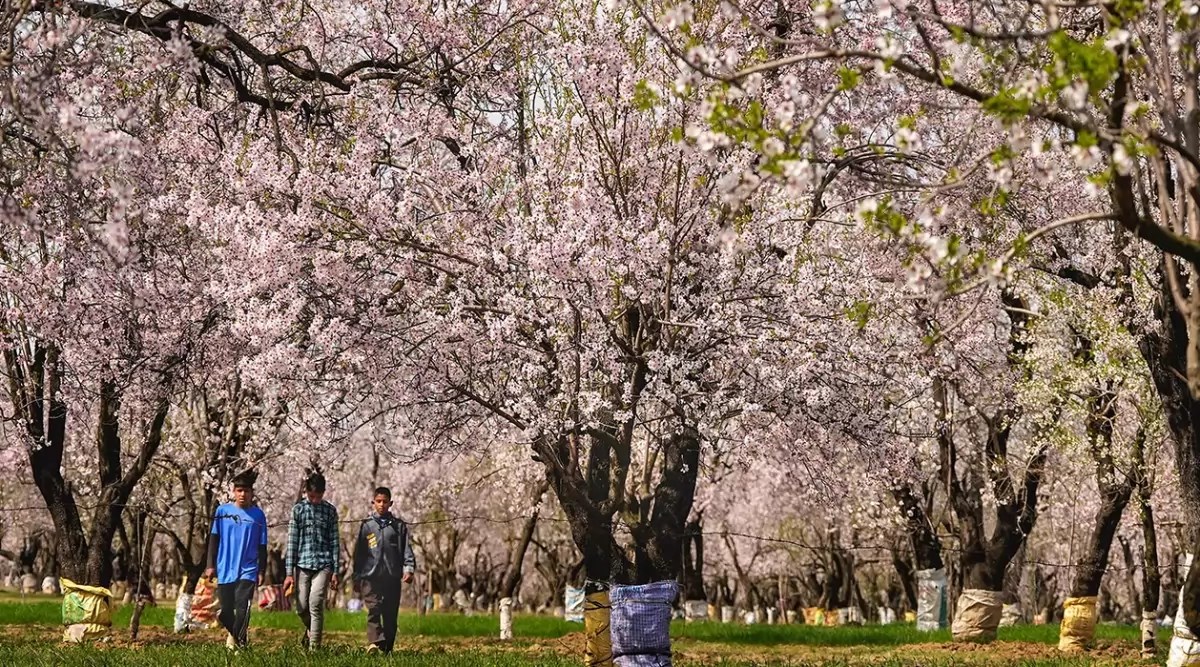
{"type": "Point", "coordinates": [313, 537]}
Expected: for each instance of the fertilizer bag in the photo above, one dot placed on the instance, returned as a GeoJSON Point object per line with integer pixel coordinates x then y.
{"type": "Point", "coordinates": [641, 624]}
{"type": "Point", "coordinates": [977, 615]}
{"type": "Point", "coordinates": [86, 611]}
{"type": "Point", "coordinates": [205, 604]}
{"type": "Point", "coordinates": [1078, 624]}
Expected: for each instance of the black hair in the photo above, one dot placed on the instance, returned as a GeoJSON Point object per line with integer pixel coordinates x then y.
{"type": "Point", "coordinates": [315, 481]}
{"type": "Point", "coordinates": [245, 479]}
{"type": "Point", "coordinates": [383, 491]}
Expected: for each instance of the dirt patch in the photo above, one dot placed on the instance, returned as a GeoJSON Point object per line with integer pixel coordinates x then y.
{"type": "Point", "coordinates": [1008, 652]}
{"type": "Point", "coordinates": [569, 644]}
{"type": "Point", "coordinates": [688, 651]}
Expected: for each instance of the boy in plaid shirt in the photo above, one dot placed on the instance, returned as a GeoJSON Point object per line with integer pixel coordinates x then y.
{"type": "Point", "coordinates": [312, 556]}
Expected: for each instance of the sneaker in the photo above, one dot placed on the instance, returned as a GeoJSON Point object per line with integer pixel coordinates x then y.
{"type": "Point", "coordinates": [230, 642]}
{"type": "Point", "coordinates": [372, 648]}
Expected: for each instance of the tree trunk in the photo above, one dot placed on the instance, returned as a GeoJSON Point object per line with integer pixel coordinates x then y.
{"type": "Point", "coordinates": [1093, 561]}
{"type": "Point", "coordinates": [1151, 576]}
{"type": "Point", "coordinates": [516, 559]}
{"type": "Point", "coordinates": [927, 548]}
{"type": "Point", "coordinates": [1165, 352]}
{"type": "Point", "coordinates": [34, 393]}
{"type": "Point", "coordinates": [906, 573]}
{"type": "Point", "coordinates": [692, 578]}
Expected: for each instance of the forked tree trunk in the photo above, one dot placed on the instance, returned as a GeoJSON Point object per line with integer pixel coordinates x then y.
{"type": "Point", "coordinates": [34, 391]}
{"type": "Point", "coordinates": [1114, 495]}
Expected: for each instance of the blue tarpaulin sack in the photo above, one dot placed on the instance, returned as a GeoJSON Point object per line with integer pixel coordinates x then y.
{"type": "Point", "coordinates": [641, 624]}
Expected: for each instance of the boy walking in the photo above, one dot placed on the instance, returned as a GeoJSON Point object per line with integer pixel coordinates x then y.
{"type": "Point", "coordinates": [383, 558]}
{"type": "Point", "coordinates": [237, 555]}
{"type": "Point", "coordinates": [312, 556]}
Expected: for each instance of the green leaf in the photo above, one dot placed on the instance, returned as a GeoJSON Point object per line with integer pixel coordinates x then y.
{"type": "Point", "coordinates": [859, 313]}
{"type": "Point", "coordinates": [849, 78]}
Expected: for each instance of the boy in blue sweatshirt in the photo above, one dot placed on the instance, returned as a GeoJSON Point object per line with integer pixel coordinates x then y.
{"type": "Point", "coordinates": [237, 555]}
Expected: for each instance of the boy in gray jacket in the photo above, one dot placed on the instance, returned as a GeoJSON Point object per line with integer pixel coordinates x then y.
{"type": "Point", "coordinates": [383, 558]}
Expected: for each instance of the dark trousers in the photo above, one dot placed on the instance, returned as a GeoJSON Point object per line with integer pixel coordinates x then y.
{"type": "Point", "coordinates": [381, 597]}
{"type": "Point", "coordinates": [235, 608]}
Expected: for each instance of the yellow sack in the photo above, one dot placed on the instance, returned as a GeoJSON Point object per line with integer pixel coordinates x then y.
{"type": "Point", "coordinates": [597, 613]}
{"type": "Point", "coordinates": [910, 617]}
{"type": "Point", "coordinates": [814, 616]}
{"type": "Point", "coordinates": [1078, 624]}
{"type": "Point", "coordinates": [86, 610]}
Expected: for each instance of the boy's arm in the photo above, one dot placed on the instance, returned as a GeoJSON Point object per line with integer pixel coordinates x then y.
{"type": "Point", "coordinates": [293, 543]}
{"type": "Point", "coordinates": [262, 548]}
{"type": "Point", "coordinates": [410, 560]}
{"type": "Point", "coordinates": [337, 547]}
{"type": "Point", "coordinates": [214, 539]}
{"type": "Point", "coordinates": [360, 551]}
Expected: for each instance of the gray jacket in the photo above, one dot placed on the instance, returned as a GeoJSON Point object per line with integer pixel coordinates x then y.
{"type": "Point", "coordinates": [382, 549]}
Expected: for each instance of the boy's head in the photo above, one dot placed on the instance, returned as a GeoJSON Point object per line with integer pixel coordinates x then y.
{"type": "Point", "coordinates": [314, 486]}
{"type": "Point", "coordinates": [382, 502]}
{"type": "Point", "coordinates": [243, 488]}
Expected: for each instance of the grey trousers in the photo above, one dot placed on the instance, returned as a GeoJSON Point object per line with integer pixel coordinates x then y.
{"type": "Point", "coordinates": [311, 589]}
{"type": "Point", "coordinates": [382, 599]}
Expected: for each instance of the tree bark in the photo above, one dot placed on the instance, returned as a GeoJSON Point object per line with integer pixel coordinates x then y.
{"type": "Point", "coordinates": [907, 575]}
{"type": "Point", "coordinates": [692, 578]}
{"type": "Point", "coordinates": [660, 557]}
{"type": "Point", "coordinates": [1165, 352]}
{"type": "Point", "coordinates": [1114, 495]}
{"type": "Point", "coordinates": [33, 383]}
{"type": "Point", "coordinates": [927, 548]}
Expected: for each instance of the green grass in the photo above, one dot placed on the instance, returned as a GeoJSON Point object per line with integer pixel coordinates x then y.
{"type": "Point", "coordinates": [449, 640]}
{"type": "Point", "coordinates": [45, 612]}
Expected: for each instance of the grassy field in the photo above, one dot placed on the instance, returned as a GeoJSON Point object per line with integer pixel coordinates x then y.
{"type": "Point", "coordinates": [29, 634]}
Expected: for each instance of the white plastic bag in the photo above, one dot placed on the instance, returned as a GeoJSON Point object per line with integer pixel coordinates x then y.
{"type": "Point", "coordinates": [506, 618]}
{"type": "Point", "coordinates": [932, 610]}
{"type": "Point", "coordinates": [695, 610]}
{"type": "Point", "coordinates": [1010, 615]}
{"type": "Point", "coordinates": [573, 600]}
{"type": "Point", "coordinates": [1185, 649]}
